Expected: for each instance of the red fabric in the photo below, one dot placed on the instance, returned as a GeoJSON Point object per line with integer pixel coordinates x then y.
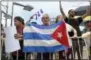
{"type": "Point", "coordinates": [64, 39]}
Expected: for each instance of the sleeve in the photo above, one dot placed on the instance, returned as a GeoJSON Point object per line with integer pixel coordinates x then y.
{"type": "Point", "coordinates": [79, 20]}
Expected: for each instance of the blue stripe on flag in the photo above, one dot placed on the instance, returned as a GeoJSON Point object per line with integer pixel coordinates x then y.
{"type": "Point", "coordinates": [43, 48]}
{"type": "Point", "coordinates": [45, 27]}
{"type": "Point", "coordinates": [37, 36]}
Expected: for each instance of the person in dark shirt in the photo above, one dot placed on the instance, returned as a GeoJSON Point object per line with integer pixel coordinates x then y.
{"type": "Point", "coordinates": [75, 22]}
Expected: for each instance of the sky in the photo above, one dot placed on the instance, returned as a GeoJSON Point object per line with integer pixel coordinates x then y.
{"type": "Point", "coordinates": [49, 7]}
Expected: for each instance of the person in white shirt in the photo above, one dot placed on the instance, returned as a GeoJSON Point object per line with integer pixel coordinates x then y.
{"type": "Point", "coordinates": [87, 36]}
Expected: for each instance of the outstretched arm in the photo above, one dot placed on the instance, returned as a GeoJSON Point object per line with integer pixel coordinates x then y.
{"type": "Point", "coordinates": [61, 10]}
{"type": "Point", "coordinates": [88, 12]}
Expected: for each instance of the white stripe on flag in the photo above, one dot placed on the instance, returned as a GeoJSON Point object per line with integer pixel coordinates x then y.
{"type": "Point", "coordinates": [42, 31]}
{"type": "Point", "coordinates": [41, 43]}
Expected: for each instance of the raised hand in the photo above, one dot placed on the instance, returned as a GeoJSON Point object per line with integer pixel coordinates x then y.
{"type": "Point", "coordinates": [61, 10]}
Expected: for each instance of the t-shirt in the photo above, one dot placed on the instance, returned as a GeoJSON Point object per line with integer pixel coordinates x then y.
{"type": "Point", "coordinates": [75, 24]}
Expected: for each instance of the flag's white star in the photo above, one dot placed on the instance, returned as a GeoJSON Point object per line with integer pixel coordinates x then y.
{"type": "Point", "coordinates": [59, 35]}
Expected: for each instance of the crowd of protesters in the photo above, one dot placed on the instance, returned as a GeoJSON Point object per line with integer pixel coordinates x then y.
{"type": "Point", "coordinates": [72, 25]}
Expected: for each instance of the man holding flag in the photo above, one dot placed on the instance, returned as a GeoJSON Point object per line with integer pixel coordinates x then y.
{"type": "Point", "coordinates": [46, 22]}
{"type": "Point", "coordinates": [45, 38]}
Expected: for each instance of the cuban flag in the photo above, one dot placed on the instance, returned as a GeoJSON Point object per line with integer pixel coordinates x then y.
{"type": "Point", "coordinates": [40, 38]}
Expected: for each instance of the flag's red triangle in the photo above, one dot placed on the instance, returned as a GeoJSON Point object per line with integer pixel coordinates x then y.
{"type": "Point", "coordinates": [61, 30]}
